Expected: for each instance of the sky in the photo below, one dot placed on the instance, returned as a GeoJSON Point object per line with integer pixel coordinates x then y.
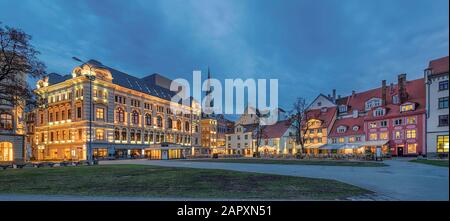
{"type": "Point", "coordinates": [310, 46]}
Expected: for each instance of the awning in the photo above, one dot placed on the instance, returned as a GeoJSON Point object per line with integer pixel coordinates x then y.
{"type": "Point", "coordinates": [331, 146]}
{"type": "Point", "coordinates": [313, 146]}
{"type": "Point", "coordinates": [372, 143]}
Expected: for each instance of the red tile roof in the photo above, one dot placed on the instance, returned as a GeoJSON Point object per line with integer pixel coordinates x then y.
{"type": "Point", "coordinates": [325, 116]}
{"type": "Point", "coordinates": [276, 130]}
{"type": "Point", "coordinates": [349, 123]}
{"type": "Point", "coordinates": [439, 66]}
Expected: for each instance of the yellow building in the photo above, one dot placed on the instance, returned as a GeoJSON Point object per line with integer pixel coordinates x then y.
{"type": "Point", "coordinates": [128, 117]}
{"type": "Point", "coordinates": [209, 133]}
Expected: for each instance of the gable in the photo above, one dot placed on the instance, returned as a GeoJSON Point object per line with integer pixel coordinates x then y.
{"type": "Point", "coordinates": [320, 102]}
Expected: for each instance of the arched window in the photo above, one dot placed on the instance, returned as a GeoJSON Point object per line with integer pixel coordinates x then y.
{"type": "Point", "coordinates": [187, 127]}
{"type": "Point", "coordinates": [178, 124]}
{"type": "Point", "coordinates": [148, 119]}
{"type": "Point", "coordinates": [145, 136]}
{"type": "Point", "coordinates": [196, 128]}
{"type": "Point", "coordinates": [6, 121]}
{"type": "Point", "coordinates": [124, 134]}
{"type": "Point", "coordinates": [6, 151]}
{"type": "Point", "coordinates": [169, 123]}
{"type": "Point", "coordinates": [138, 135]}
{"type": "Point", "coordinates": [132, 135]}
{"type": "Point", "coordinates": [135, 117]}
{"type": "Point", "coordinates": [120, 115]}
{"type": "Point", "coordinates": [117, 134]}
{"type": "Point", "coordinates": [159, 121]}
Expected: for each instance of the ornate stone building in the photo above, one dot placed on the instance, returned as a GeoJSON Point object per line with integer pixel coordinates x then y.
{"type": "Point", "coordinates": [128, 117]}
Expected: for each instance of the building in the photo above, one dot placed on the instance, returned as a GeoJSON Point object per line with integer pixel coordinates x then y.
{"type": "Point", "coordinates": [224, 126]}
{"type": "Point", "coordinates": [209, 133]}
{"type": "Point", "coordinates": [277, 139]}
{"type": "Point", "coordinates": [389, 117]}
{"type": "Point", "coordinates": [126, 116]}
{"type": "Point", "coordinates": [436, 82]}
{"type": "Point", "coordinates": [240, 141]}
{"type": "Point", "coordinates": [30, 145]}
{"type": "Point", "coordinates": [320, 122]}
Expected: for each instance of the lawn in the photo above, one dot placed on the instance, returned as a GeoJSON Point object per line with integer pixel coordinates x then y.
{"type": "Point", "coordinates": [153, 181]}
{"type": "Point", "coordinates": [298, 162]}
{"type": "Point", "coordinates": [441, 163]}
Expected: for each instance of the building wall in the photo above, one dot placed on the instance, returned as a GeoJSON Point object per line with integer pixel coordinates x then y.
{"type": "Point", "coordinates": [433, 112]}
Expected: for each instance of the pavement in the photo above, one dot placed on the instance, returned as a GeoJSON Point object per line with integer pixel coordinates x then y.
{"type": "Point", "coordinates": [401, 180]}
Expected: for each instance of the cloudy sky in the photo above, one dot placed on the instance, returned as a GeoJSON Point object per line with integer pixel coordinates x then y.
{"type": "Point", "coordinates": [310, 46]}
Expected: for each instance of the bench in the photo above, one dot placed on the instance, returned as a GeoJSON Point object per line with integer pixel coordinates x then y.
{"type": "Point", "coordinates": [5, 166]}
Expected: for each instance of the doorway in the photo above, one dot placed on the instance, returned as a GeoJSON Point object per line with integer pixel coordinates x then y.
{"type": "Point", "coordinates": [400, 151]}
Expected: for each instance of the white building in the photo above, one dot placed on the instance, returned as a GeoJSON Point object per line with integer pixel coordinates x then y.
{"type": "Point", "coordinates": [436, 78]}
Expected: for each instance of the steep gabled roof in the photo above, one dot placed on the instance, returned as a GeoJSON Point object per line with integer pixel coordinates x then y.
{"type": "Point", "coordinates": [276, 130]}
{"type": "Point", "coordinates": [325, 115]}
{"type": "Point", "coordinates": [439, 66]}
{"type": "Point", "coordinates": [349, 123]}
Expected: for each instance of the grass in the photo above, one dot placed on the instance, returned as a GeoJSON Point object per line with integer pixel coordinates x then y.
{"type": "Point", "coordinates": [298, 162]}
{"type": "Point", "coordinates": [153, 181]}
{"type": "Point", "coordinates": [440, 163]}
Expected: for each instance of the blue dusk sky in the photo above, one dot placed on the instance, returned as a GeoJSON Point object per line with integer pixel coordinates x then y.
{"type": "Point", "coordinates": [311, 46]}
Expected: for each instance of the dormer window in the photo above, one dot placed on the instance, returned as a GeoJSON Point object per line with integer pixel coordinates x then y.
{"type": "Point", "coordinates": [319, 103]}
{"type": "Point", "coordinates": [355, 128]}
{"type": "Point", "coordinates": [341, 129]}
{"type": "Point", "coordinates": [379, 112]}
{"type": "Point", "coordinates": [342, 108]}
{"type": "Point", "coordinates": [324, 109]}
{"type": "Point", "coordinates": [374, 102]}
{"type": "Point", "coordinates": [407, 107]}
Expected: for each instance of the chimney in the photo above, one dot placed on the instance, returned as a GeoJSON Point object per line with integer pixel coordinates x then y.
{"type": "Point", "coordinates": [334, 95]}
{"type": "Point", "coordinates": [383, 92]}
{"type": "Point", "coordinates": [391, 89]}
{"type": "Point", "coordinates": [339, 96]}
{"type": "Point", "coordinates": [353, 93]}
{"type": "Point", "coordinates": [402, 95]}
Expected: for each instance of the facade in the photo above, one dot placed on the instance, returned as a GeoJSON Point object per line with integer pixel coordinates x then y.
{"type": "Point", "coordinates": [209, 133]}
{"type": "Point", "coordinates": [436, 82]}
{"type": "Point", "coordinates": [240, 141]}
{"type": "Point", "coordinates": [320, 123]}
{"type": "Point", "coordinates": [126, 116]}
{"type": "Point", "coordinates": [390, 117]}
{"type": "Point", "coordinates": [30, 147]}
{"type": "Point", "coordinates": [277, 139]}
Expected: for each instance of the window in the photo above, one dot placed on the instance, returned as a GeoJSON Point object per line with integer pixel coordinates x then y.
{"type": "Point", "coordinates": [372, 125]}
{"type": "Point", "coordinates": [169, 123]}
{"type": "Point", "coordinates": [443, 85]}
{"type": "Point", "coordinates": [443, 102]}
{"type": "Point", "coordinates": [135, 117]}
{"type": "Point", "coordinates": [342, 108]}
{"type": "Point", "coordinates": [6, 151]}
{"type": "Point", "coordinates": [411, 134]}
{"type": "Point", "coordinates": [99, 134]}
{"type": "Point", "coordinates": [6, 121]}
{"type": "Point", "coordinates": [373, 136]}
{"type": "Point", "coordinates": [100, 113]}
{"type": "Point", "coordinates": [341, 140]}
{"type": "Point", "coordinates": [351, 139]}
{"type": "Point", "coordinates": [229, 138]}
{"type": "Point", "coordinates": [116, 134]}
{"type": "Point", "coordinates": [383, 123]}
{"type": "Point", "coordinates": [178, 124]}
{"type": "Point", "coordinates": [398, 122]}
{"type": "Point", "coordinates": [358, 138]}
{"type": "Point", "coordinates": [398, 135]}
{"type": "Point", "coordinates": [333, 140]}
{"type": "Point", "coordinates": [411, 120]}
{"type": "Point", "coordinates": [311, 131]}
{"type": "Point", "coordinates": [187, 126]}
{"type": "Point", "coordinates": [120, 115]}
{"type": "Point", "coordinates": [384, 136]}
{"type": "Point", "coordinates": [245, 137]}
{"type": "Point", "coordinates": [159, 121]}
{"type": "Point", "coordinates": [341, 129]}
{"type": "Point", "coordinates": [395, 99]}
{"type": "Point", "coordinates": [412, 148]}
{"type": "Point", "coordinates": [238, 137]}
{"type": "Point", "coordinates": [78, 112]}
{"type": "Point", "coordinates": [319, 131]}
{"type": "Point", "coordinates": [407, 107]}
{"type": "Point", "coordinates": [148, 119]}
{"type": "Point", "coordinates": [69, 114]}
{"type": "Point", "coordinates": [379, 112]}
{"type": "Point", "coordinates": [374, 102]}
{"type": "Point", "coordinates": [355, 128]}
{"type": "Point", "coordinates": [124, 134]}
{"type": "Point", "coordinates": [442, 144]}
{"type": "Point", "coordinates": [319, 139]}
{"type": "Point", "coordinates": [443, 120]}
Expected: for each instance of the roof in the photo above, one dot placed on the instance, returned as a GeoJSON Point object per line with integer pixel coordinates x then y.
{"type": "Point", "coordinates": [325, 115]}
{"type": "Point", "coordinates": [125, 80]}
{"type": "Point", "coordinates": [276, 130]}
{"type": "Point", "coordinates": [439, 66]}
{"type": "Point", "coordinates": [349, 123]}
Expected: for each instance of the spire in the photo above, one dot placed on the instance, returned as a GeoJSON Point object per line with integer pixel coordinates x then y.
{"type": "Point", "coordinates": [208, 91]}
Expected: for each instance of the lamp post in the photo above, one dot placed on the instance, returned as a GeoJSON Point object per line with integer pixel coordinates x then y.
{"type": "Point", "coordinates": [90, 78]}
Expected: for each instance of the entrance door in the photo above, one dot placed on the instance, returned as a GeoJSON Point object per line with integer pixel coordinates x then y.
{"type": "Point", "coordinates": [164, 155]}
{"type": "Point", "coordinates": [399, 151]}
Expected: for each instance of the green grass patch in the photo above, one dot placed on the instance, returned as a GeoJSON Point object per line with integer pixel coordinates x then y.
{"type": "Point", "coordinates": [440, 163]}
{"type": "Point", "coordinates": [298, 162]}
{"type": "Point", "coordinates": [153, 181]}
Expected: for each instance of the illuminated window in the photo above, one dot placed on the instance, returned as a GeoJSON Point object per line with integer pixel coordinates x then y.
{"type": "Point", "coordinates": [373, 136]}
{"type": "Point", "coordinates": [407, 107]}
{"type": "Point", "coordinates": [99, 134]}
{"type": "Point", "coordinates": [410, 134]}
{"type": "Point", "coordinates": [120, 115]}
{"type": "Point", "coordinates": [384, 136]}
{"type": "Point", "coordinates": [6, 151]}
{"type": "Point", "coordinates": [412, 148]}
{"type": "Point", "coordinates": [411, 120]}
{"type": "Point", "coordinates": [116, 134]}
{"type": "Point", "coordinates": [178, 124]}
{"type": "Point", "coordinates": [398, 135]}
{"type": "Point", "coordinates": [5, 121]}
{"type": "Point", "coordinates": [187, 127]}
{"type": "Point", "coordinates": [78, 112]}
{"type": "Point", "coordinates": [372, 125]}
{"type": "Point", "coordinates": [341, 140]}
{"type": "Point", "coordinates": [100, 113]}
{"type": "Point", "coordinates": [442, 143]}
{"type": "Point", "coordinates": [351, 139]}
{"type": "Point", "coordinates": [124, 135]}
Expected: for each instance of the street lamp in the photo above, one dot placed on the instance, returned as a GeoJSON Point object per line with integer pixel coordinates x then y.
{"type": "Point", "coordinates": [90, 78]}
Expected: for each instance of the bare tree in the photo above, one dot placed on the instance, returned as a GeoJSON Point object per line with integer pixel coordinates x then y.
{"type": "Point", "coordinates": [300, 121]}
{"type": "Point", "coordinates": [18, 60]}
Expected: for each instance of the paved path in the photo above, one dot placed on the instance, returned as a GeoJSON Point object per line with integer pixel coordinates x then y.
{"type": "Point", "coordinates": [401, 180]}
